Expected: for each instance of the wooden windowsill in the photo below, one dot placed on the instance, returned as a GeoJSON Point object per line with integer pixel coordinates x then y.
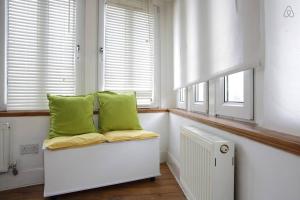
{"type": "Point", "coordinates": [284, 141]}
{"type": "Point", "coordinates": [46, 112]}
{"type": "Point", "coordinates": [152, 110]}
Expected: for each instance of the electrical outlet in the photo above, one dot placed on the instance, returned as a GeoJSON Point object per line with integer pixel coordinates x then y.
{"type": "Point", "coordinates": [29, 149]}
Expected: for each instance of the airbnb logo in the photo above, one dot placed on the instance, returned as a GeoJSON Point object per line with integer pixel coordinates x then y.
{"type": "Point", "coordinates": [289, 12]}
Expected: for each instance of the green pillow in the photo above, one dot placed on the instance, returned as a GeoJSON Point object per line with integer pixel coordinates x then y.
{"type": "Point", "coordinates": [117, 112]}
{"type": "Point", "coordinates": [71, 115]}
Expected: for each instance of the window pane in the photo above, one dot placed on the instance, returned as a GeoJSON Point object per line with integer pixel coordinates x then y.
{"type": "Point", "coordinates": [182, 94]}
{"type": "Point", "coordinates": [129, 50]}
{"type": "Point", "coordinates": [41, 42]}
{"type": "Point", "coordinates": [199, 92]}
{"type": "Point", "coordinates": [234, 87]}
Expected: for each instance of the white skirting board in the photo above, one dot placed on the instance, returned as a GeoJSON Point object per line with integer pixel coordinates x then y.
{"type": "Point", "coordinates": [174, 167]}
{"type": "Point", "coordinates": [71, 170]}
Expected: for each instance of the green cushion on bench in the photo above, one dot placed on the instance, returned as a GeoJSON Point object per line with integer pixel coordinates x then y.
{"type": "Point", "coordinates": [117, 112]}
{"type": "Point", "coordinates": [71, 115]}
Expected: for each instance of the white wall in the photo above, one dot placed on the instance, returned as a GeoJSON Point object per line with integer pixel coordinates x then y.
{"type": "Point", "coordinates": [262, 172]}
{"type": "Point", "coordinates": [168, 96]}
{"type": "Point", "coordinates": [33, 130]}
{"type": "Point", "coordinates": [282, 83]}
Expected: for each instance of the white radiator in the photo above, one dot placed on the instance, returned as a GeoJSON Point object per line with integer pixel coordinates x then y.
{"type": "Point", "coordinates": [206, 165]}
{"type": "Point", "coordinates": [4, 147]}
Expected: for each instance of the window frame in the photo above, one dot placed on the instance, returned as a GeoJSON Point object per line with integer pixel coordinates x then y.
{"type": "Point", "coordinates": [181, 100]}
{"type": "Point", "coordinates": [3, 36]}
{"type": "Point", "coordinates": [157, 62]}
{"type": "Point", "coordinates": [80, 53]}
{"type": "Point", "coordinates": [199, 106]}
{"type": "Point", "coordinates": [238, 110]}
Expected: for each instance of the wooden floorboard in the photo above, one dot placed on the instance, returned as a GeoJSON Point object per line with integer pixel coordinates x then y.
{"type": "Point", "coordinates": [164, 187]}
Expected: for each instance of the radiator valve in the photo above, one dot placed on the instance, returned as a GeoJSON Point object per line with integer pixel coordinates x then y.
{"type": "Point", "coordinates": [13, 166]}
{"type": "Point", "coordinates": [224, 148]}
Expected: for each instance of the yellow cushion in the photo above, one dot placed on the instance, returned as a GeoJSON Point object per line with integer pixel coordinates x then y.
{"type": "Point", "coordinates": [74, 141]}
{"type": "Point", "coordinates": [126, 135]}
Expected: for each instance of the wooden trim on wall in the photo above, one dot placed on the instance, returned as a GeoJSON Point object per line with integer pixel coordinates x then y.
{"type": "Point", "coordinates": [24, 113]}
{"type": "Point", "coordinates": [152, 110]}
{"type": "Point", "coordinates": [283, 141]}
{"type": "Point", "coordinates": [46, 112]}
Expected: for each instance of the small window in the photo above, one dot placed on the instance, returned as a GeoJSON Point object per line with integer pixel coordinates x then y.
{"type": "Point", "coordinates": [181, 98]}
{"type": "Point", "coordinates": [182, 95]}
{"type": "Point", "coordinates": [199, 98]}
{"type": "Point", "coordinates": [234, 95]}
{"type": "Point", "coordinates": [199, 92]}
{"type": "Point", "coordinates": [234, 88]}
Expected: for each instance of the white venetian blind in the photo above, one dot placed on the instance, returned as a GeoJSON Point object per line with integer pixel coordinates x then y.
{"type": "Point", "coordinates": [40, 51]}
{"type": "Point", "coordinates": [129, 48]}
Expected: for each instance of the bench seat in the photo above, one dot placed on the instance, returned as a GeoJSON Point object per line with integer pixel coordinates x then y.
{"type": "Point", "coordinates": [74, 169]}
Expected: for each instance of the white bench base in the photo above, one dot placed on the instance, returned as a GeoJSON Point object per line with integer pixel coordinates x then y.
{"type": "Point", "coordinates": [70, 170]}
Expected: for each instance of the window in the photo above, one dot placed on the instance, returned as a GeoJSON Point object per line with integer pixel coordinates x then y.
{"type": "Point", "coordinates": [41, 52]}
{"type": "Point", "coordinates": [234, 95]}
{"type": "Point", "coordinates": [182, 95]}
{"type": "Point", "coordinates": [234, 88]}
{"type": "Point", "coordinates": [199, 93]}
{"type": "Point", "coordinates": [130, 53]}
{"type": "Point", "coordinates": [199, 98]}
{"type": "Point", "coordinates": [181, 98]}
{"type": "Point", "coordinates": [2, 56]}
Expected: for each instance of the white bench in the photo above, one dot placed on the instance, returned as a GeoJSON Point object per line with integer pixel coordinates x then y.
{"type": "Point", "coordinates": [70, 170]}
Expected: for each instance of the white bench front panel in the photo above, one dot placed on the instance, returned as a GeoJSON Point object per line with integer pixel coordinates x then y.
{"type": "Point", "coordinates": [76, 169]}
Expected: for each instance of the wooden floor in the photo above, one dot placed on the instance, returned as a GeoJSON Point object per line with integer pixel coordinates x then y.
{"type": "Point", "coordinates": [164, 187]}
